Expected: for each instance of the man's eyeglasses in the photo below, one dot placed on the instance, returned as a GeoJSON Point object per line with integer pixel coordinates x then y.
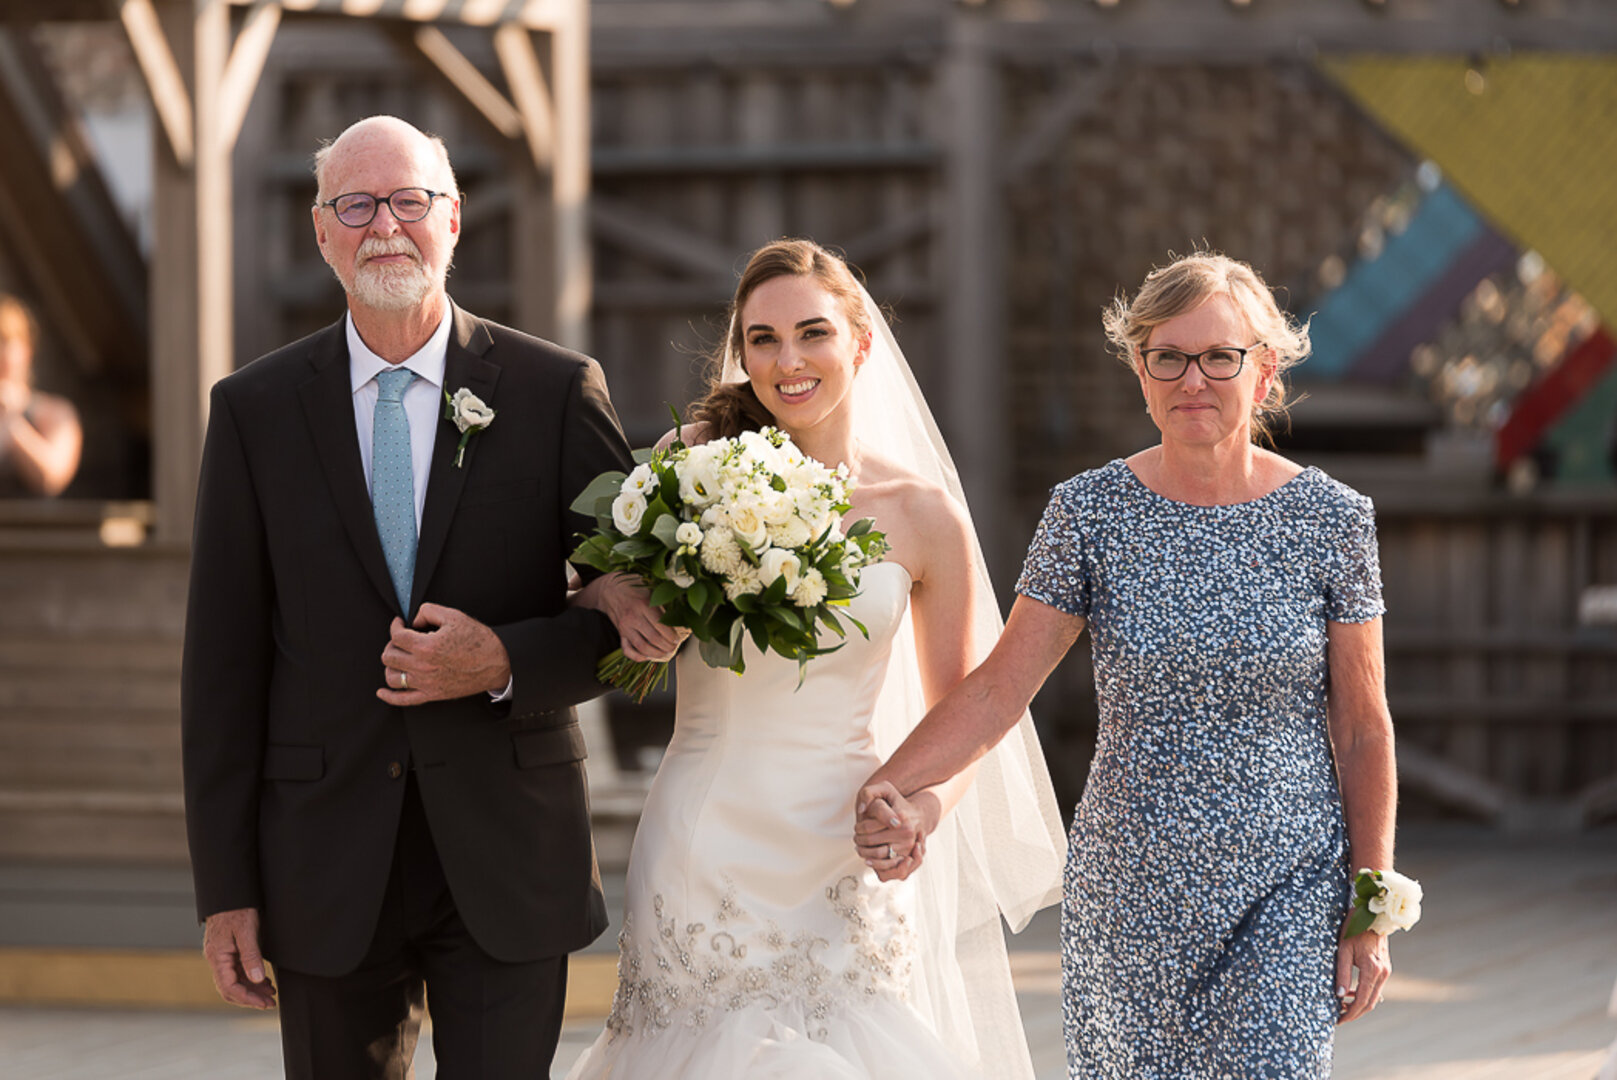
{"type": "Point", "coordinates": [357, 210]}
{"type": "Point", "coordinates": [1223, 362]}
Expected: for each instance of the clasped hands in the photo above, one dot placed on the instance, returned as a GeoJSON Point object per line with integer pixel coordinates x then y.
{"type": "Point", "coordinates": [891, 830]}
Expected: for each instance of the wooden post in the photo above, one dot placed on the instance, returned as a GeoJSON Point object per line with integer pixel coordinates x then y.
{"type": "Point", "coordinates": [973, 416]}
{"type": "Point", "coordinates": [570, 175]}
{"type": "Point", "coordinates": [191, 291]}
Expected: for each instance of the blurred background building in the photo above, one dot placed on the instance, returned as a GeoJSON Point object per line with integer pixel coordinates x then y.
{"type": "Point", "coordinates": [1428, 181]}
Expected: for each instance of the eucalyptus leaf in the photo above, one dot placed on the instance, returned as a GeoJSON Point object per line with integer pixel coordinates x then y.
{"type": "Point", "coordinates": [606, 486]}
{"type": "Point", "coordinates": [637, 547]}
{"type": "Point", "coordinates": [715, 654]}
{"type": "Point", "coordinates": [665, 527]}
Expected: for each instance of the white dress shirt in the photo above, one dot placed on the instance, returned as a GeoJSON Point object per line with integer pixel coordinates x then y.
{"type": "Point", "coordinates": [423, 405]}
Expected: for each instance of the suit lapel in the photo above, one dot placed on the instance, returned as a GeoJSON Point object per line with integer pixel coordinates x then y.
{"type": "Point", "coordinates": [464, 365]}
{"type": "Point", "coordinates": [328, 401]}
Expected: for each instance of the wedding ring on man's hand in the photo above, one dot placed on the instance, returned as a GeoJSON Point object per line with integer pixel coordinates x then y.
{"type": "Point", "coordinates": [404, 680]}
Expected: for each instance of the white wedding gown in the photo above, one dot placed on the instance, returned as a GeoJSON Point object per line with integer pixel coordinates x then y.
{"type": "Point", "coordinates": [756, 944]}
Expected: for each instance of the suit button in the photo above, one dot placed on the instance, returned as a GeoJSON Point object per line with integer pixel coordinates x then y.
{"type": "Point", "coordinates": [395, 770]}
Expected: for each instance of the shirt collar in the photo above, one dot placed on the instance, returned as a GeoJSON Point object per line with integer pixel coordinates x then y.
{"type": "Point", "coordinates": [427, 362]}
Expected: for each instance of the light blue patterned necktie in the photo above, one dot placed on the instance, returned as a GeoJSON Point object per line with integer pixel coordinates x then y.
{"type": "Point", "coordinates": [393, 481]}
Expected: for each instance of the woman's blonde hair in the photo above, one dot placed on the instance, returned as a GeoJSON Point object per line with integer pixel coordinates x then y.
{"type": "Point", "coordinates": [1190, 281]}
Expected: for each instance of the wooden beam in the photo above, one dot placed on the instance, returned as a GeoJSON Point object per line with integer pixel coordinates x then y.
{"type": "Point", "coordinates": [534, 14]}
{"type": "Point", "coordinates": [1050, 130]}
{"type": "Point", "coordinates": [245, 66]}
{"type": "Point", "coordinates": [473, 86]}
{"type": "Point", "coordinates": [162, 74]}
{"type": "Point", "coordinates": [513, 43]}
{"type": "Point", "coordinates": [660, 240]}
{"type": "Point", "coordinates": [1451, 785]}
{"type": "Point", "coordinates": [1597, 802]}
{"type": "Point", "coordinates": [890, 236]}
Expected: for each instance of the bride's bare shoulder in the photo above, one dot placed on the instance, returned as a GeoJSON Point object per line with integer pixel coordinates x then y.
{"type": "Point", "coordinates": [689, 434]}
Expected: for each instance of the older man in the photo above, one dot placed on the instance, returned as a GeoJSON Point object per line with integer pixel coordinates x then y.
{"type": "Point", "coordinates": [383, 772]}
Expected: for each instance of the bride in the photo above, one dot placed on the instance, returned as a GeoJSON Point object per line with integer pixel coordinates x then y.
{"type": "Point", "coordinates": [756, 941]}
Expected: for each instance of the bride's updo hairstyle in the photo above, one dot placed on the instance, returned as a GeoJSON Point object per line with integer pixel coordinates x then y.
{"type": "Point", "coordinates": [729, 408]}
{"type": "Point", "coordinates": [1187, 283]}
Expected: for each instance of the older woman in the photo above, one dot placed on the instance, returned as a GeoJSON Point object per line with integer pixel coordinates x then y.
{"type": "Point", "coordinates": [40, 436]}
{"type": "Point", "coordinates": [1245, 752]}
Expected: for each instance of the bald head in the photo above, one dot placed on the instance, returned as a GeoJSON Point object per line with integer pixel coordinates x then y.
{"type": "Point", "coordinates": [385, 138]}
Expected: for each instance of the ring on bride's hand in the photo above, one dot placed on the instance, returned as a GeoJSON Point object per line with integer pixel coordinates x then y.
{"type": "Point", "coordinates": [889, 851]}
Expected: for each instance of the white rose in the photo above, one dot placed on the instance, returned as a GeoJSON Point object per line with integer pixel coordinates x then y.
{"type": "Point", "coordinates": [689, 534]}
{"type": "Point", "coordinates": [778, 506]}
{"type": "Point", "coordinates": [748, 525]}
{"type": "Point", "coordinates": [680, 577]}
{"type": "Point", "coordinates": [811, 590]}
{"type": "Point", "coordinates": [468, 411]}
{"type": "Point", "coordinates": [792, 533]}
{"type": "Point", "coordinates": [627, 511]}
{"type": "Point", "coordinates": [778, 563]}
{"type": "Point", "coordinates": [1398, 906]}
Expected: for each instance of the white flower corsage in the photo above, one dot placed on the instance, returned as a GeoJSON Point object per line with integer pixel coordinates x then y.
{"type": "Point", "coordinates": [1383, 901]}
{"type": "Point", "coordinates": [470, 415]}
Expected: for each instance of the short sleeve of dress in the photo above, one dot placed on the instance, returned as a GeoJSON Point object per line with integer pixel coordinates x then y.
{"type": "Point", "coordinates": [1353, 567]}
{"type": "Point", "coordinates": [1057, 569]}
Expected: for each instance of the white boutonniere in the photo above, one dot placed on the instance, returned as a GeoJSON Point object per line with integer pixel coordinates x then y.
{"type": "Point", "coordinates": [470, 415]}
{"type": "Point", "coordinates": [1384, 901]}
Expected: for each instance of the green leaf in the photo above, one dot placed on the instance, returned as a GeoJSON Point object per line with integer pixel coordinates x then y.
{"type": "Point", "coordinates": [644, 454]}
{"type": "Point", "coordinates": [596, 552]}
{"type": "Point", "coordinates": [606, 486]}
{"type": "Point", "coordinates": [831, 621]}
{"type": "Point", "coordinates": [698, 593]}
{"type": "Point", "coordinates": [775, 594]}
{"type": "Point", "coordinates": [787, 616]}
{"type": "Point", "coordinates": [1360, 922]}
{"type": "Point", "coordinates": [860, 527]}
{"type": "Point", "coordinates": [665, 527]}
{"type": "Point", "coordinates": [637, 547]}
{"type": "Point", "coordinates": [664, 594]}
{"type": "Point", "coordinates": [760, 633]}
{"type": "Point", "coordinates": [746, 603]}
{"type": "Point", "coordinates": [716, 654]}
{"type": "Point", "coordinates": [859, 624]}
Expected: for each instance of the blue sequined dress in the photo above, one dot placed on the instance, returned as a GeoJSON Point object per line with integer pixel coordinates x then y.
{"type": "Point", "coordinates": [1207, 875]}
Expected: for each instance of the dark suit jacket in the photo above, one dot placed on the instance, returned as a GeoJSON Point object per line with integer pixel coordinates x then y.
{"type": "Point", "coordinates": [293, 766]}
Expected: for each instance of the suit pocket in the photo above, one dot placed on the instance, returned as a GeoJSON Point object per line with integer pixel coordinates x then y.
{"type": "Point", "coordinates": [548, 746]}
{"type": "Point", "coordinates": [283, 761]}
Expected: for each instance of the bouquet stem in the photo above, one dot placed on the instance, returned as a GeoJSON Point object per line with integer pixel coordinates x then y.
{"type": "Point", "coordinates": [637, 678]}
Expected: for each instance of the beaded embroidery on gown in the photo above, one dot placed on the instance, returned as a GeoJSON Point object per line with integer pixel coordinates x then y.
{"type": "Point", "coordinates": [756, 943]}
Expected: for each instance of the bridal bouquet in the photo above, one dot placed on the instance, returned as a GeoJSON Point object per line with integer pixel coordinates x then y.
{"type": "Point", "coordinates": [736, 538]}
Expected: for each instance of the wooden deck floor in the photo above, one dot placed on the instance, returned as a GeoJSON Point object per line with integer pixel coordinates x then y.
{"type": "Point", "coordinates": [1509, 975]}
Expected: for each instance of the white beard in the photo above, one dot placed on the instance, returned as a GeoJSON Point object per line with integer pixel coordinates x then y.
{"type": "Point", "coordinates": [392, 286]}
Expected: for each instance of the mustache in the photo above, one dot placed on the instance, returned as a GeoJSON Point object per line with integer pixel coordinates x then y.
{"type": "Point", "coordinates": [376, 246]}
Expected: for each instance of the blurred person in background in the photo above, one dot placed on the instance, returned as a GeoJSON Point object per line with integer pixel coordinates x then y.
{"type": "Point", "coordinates": [40, 435]}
